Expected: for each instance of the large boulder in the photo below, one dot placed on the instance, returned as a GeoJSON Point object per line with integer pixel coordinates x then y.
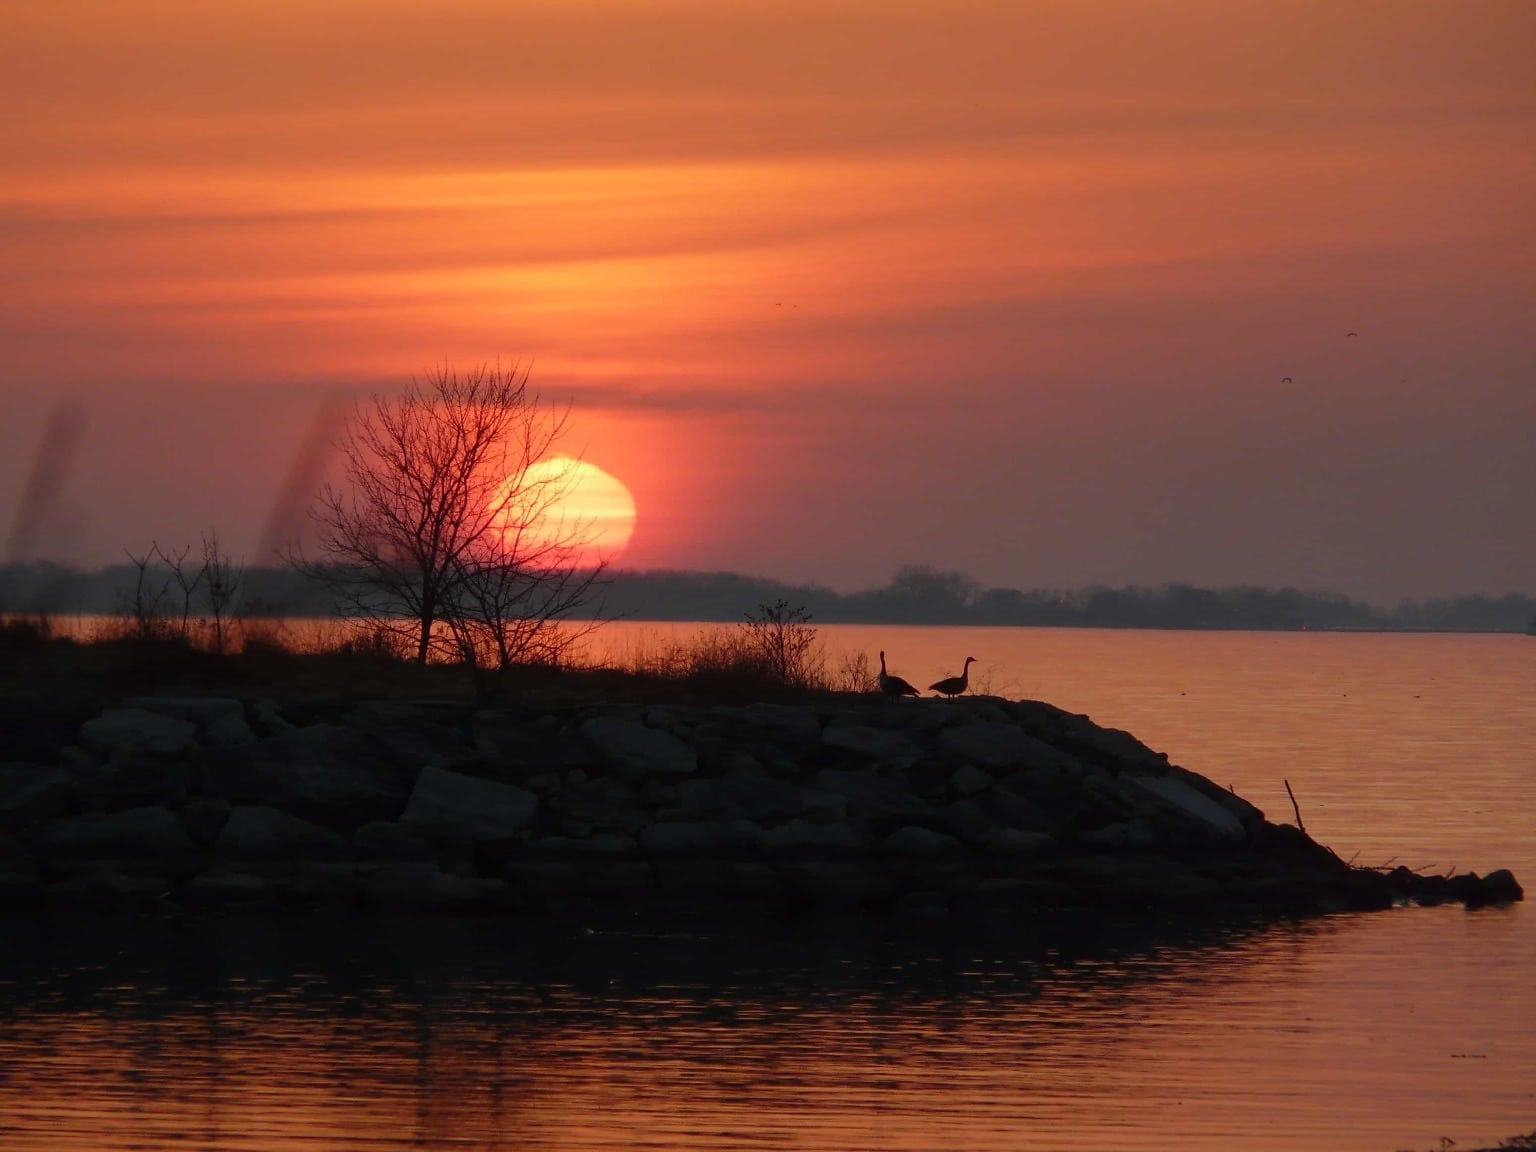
{"type": "Point", "coordinates": [801, 837]}
{"type": "Point", "coordinates": [913, 840]}
{"type": "Point", "coordinates": [468, 807]}
{"type": "Point", "coordinates": [323, 773]}
{"type": "Point", "coordinates": [132, 778]}
{"type": "Point", "coordinates": [1199, 809]}
{"type": "Point", "coordinates": [753, 798]}
{"type": "Point", "coordinates": [701, 837]}
{"type": "Point", "coordinates": [602, 805]}
{"type": "Point", "coordinates": [220, 720]}
{"type": "Point", "coordinates": [137, 730]}
{"type": "Point", "coordinates": [634, 752]}
{"type": "Point", "coordinates": [150, 834]}
{"type": "Point", "coordinates": [868, 796]}
{"type": "Point", "coordinates": [410, 736]}
{"type": "Point", "coordinates": [875, 745]}
{"type": "Point", "coordinates": [258, 832]}
{"type": "Point", "coordinates": [30, 793]}
{"type": "Point", "coordinates": [994, 745]}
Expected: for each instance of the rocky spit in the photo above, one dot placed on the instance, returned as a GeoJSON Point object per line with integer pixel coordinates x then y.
{"type": "Point", "coordinates": [206, 804]}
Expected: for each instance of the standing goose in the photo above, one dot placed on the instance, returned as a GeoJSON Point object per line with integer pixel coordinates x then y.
{"type": "Point", "coordinates": [954, 685]}
{"type": "Point", "coordinates": [894, 685]}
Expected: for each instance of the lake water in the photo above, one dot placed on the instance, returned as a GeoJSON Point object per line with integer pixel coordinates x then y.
{"type": "Point", "coordinates": [1362, 1032]}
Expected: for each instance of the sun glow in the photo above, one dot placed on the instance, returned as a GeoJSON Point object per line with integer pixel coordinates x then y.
{"type": "Point", "coordinates": [587, 509]}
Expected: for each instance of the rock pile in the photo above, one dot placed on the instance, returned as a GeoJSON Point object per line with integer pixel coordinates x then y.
{"type": "Point", "coordinates": [852, 803]}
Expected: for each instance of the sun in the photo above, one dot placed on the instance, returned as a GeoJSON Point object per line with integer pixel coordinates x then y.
{"type": "Point", "coordinates": [590, 508]}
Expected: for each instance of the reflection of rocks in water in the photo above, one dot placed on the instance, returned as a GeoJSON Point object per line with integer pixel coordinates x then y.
{"type": "Point", "coordinates": [861, 803]}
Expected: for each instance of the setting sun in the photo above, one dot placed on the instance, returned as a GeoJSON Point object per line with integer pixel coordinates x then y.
{"type": "Point", "coordinates": [591, 508]}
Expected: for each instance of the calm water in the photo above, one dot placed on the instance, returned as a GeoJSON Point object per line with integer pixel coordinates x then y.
{"type": "Point", "coordinates": [1381, 1031]}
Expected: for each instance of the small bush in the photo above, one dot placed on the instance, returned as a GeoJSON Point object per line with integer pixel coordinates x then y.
{"type": "Point", "coordinates": [782, 640]}
{"type": "Point", "coordinates": [855, 674]}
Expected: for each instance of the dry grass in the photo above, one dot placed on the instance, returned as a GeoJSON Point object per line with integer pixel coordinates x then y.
{"type": "Point", "coordinates": [345, 660]}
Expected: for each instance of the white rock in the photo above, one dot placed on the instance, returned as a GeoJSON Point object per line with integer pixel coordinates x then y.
{"type": "Point", "coordinates": [634, 751]}
{"type": "Point", "coordinates": [1194, 803]}
{"type": "Point", "coordinates": [138, 730]}
{"type": "Point", "coordinates": [469, 806]}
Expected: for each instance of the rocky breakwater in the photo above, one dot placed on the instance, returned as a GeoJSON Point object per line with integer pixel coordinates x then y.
{"type": "Point", "coordinates": [854, 802]}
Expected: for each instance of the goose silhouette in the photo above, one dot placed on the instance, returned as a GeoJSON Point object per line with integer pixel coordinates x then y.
{"type": "Point", "coordinates": [893, 685]}
{"type": "Point", "coordinates": [954, 685]}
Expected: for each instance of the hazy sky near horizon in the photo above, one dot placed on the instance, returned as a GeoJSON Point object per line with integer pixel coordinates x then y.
{"type": "Point", "coordinates": [1052, 293]}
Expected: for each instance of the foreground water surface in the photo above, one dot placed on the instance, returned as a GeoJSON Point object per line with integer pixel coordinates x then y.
{"type": "Point", "coordinates": [1357, 1032]}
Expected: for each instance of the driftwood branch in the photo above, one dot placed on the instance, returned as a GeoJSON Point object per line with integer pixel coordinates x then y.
{"type": "Point", "coordinates": [1295, 807]}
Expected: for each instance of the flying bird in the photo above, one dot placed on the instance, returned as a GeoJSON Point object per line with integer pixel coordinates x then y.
{"type": "Point", "coordinates": [893, 685]}
{"type": "Point", "coordinates": [954, 685]}
{"type": "Point", "coordinates": [1351, 334]}
{"type": "Point", "coordinates": [1286, 380]}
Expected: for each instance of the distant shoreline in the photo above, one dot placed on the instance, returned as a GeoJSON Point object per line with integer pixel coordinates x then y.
{"type": "Point", "coordinates": [914, 596]}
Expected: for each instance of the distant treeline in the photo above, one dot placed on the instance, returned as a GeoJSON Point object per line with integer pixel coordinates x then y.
{"type": "Point", "coordinates": [915, 595]}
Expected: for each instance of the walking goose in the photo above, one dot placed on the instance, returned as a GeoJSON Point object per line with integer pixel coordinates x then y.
{"type": "Point", "coordinates": [893, 685]}
{"type": "Point", "coordinates": [954, 685]}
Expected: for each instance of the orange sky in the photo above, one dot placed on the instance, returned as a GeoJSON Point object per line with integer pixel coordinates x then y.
{"type": "Point", "coordinates": [1008, 287]}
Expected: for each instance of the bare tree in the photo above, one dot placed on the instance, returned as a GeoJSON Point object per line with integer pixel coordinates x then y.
{"type": "Point", "coordinates": [439, 529]}
{"type": "Point", "coordinates": [520, 589]}
{"type": "Point", "coordinates": [142, 608]}
{"type": "Point", "coordinates": [223, 578]}
{"type": "Point", "coordinates": [185, 577]}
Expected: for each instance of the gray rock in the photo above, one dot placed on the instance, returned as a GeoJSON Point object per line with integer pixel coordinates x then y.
{"type": "Point", "coordinates": [968, 780]}
{"type": "Point", "coordinates": [268, 720]}
{"type": "Point", "coordinates": [228, 731]}
{"type": "Point", "coordinates": [134, 729]}
{"type": "Point", "coordinates": [204, 818]}
{"type": "Point", "coordinates": [133, 778]}
{"type": "Point", "coordinates": [1008, 809]}
{"type": "Point", "coordinates": [147, 834]}
{"type": "Point", "coordinates": [868, 796]}
{"type": "Point", "coordinates": [752, 798]}
{"type": "Point", "coordinates": [519, 748]}
{"type": "Point", "coordinates": [470, 807]}
{"type": "Point", "coordinates": [913, 840]}
{"type": "Point", "coordinates": [1135, 833]}
{"type": "Point", "coordinates": [31, 793]}
{"type": "Point", "coordinates": [635, 752]}
{"type": "Point", "coordinates": [258, 832]}
{"type": "Point", "coordinates": [680, 838]}
{"type": "Point", "coordinates": [603, 805]}
{"type": "Point", "coordinates": [884, 746]}
{"type": "Point", "coordinates": [968, 819]}
{"type": "Point", "coordinates": [1017, 842]}
{"type": "Point", "coordinates": [1113, 747]}
{"type": "Point", "coordinates": [1216, 820]}
{"type": "Point", "coordinates": [994, 745]}
{"type": "Point", "coordinates": [801, 836]}
{"type": "Point", "coordinates": [201, 711]}
{"type": "Point", "coordinates": [411, 735]}
{"type": "Point", "coordinates": [601, 844]}
{"type": "Point", "coordinates": [322, 773]}
{"type": "Point", "coordinates": [775, 733]}
{"type": "Point", "coordinates": [386, 840]}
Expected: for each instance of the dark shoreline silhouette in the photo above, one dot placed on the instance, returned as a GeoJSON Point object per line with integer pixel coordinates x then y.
{"type": "Point", "coordinates": [912, 596]}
